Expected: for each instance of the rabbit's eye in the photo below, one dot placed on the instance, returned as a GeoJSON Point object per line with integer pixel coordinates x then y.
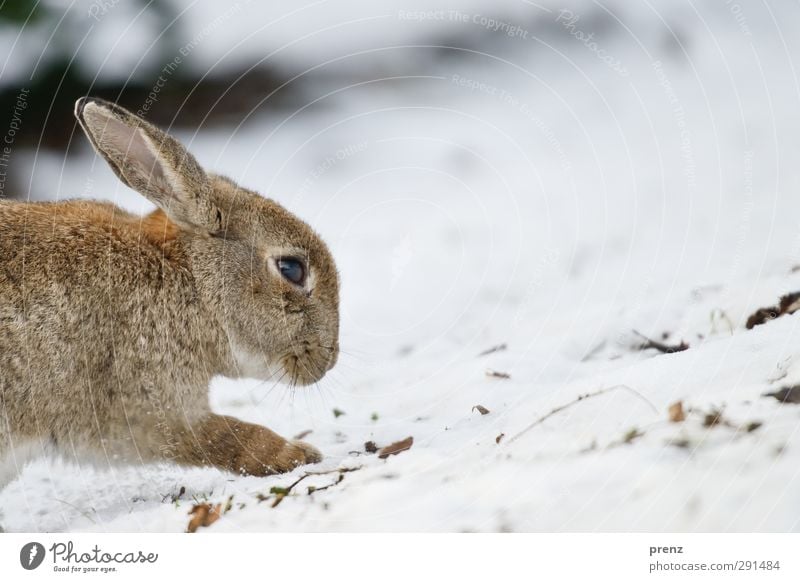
{"type": "Point", "coordinates": [292, 270]}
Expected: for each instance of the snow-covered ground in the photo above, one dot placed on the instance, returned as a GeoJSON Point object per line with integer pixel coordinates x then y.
{"type": "Point", "coordinates": [538, 191]}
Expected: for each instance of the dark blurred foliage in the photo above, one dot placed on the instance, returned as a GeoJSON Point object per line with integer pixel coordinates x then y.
{"type": "Point", "coordinates": [20, 11]}
{"type": "Point", "coordinates": [189, 99]}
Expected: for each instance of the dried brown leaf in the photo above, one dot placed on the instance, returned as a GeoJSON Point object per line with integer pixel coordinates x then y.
{"type": "Point", "coordinates": [370, 447]}
{"type": "Point", "coordinates": [761, 316]}
{"type": "Point", "coordinates": [499, 437]}
{"type": "Point", "coordinates": [714, 418]}
{"type": "Point", "coordinates": [752, 425]}
{"type": "Point", "coordinates": [203, 515]}
{"type": "Point", "coordinates": [787, 304]}
{"type": "Point", "coordinates": [480, 408]}
{"type": "Point", "coordinates": [395, 448]}
{"type": "Point", "coordinates": [675, 412]}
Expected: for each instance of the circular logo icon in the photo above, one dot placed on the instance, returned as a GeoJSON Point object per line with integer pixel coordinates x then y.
{"type": "Point", "coordinates": [31, 555]}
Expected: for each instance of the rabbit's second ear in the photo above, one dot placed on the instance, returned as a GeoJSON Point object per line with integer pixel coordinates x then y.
{"type": "Point", "coordinates": [151, 162]}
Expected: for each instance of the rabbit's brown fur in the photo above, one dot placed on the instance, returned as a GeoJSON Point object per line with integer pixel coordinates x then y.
{"type": "Point", "coordinates": [112, 324]}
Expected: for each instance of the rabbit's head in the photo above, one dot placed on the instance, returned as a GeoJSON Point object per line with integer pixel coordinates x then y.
{"type": "Point", "coordinates": [265, 274]}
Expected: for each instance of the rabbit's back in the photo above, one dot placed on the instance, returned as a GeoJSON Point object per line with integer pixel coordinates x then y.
{"type": "Point", "coordinates": [97, 313]}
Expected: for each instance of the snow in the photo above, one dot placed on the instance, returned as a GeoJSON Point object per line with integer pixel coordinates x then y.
{"type": "Point", "coordinates": [533, 196]}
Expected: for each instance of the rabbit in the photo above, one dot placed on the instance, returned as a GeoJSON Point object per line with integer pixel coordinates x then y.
{"type": "Point", "coordinates": [112, 324]}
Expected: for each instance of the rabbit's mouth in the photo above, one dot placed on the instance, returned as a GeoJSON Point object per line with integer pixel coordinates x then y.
{"type": "Point", "coordinates": [250, 365]}
{"type": "Point", "coordinates": [307, 363]}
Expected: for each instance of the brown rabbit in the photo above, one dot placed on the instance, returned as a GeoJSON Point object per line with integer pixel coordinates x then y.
{"type": "Point", "coordinates": [112, 325]}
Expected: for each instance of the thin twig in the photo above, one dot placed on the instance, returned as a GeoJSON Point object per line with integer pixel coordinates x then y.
{"type": "Point", "coordinates": [720, 314]}
{"type": "Point", "coordinates": [78, 509]}
{"type": "Point", "coordinates": [663, 348]}
{"type": "Point", "coordinates": [342, 470]}
{"type": "Point", "coordinates": [493, 349]}
{"type": "Point", "coordinates": [580, 398]}
{"type": "Point", "coordinates": [285, 491]}
{"type": "Point", "coordinates": [312, 489]}
{"type": "Point", "coordinates": [594, 351]}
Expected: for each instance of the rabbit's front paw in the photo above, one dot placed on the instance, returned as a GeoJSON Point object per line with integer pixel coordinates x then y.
{"type": "Point", "coordinates": [291, 455]}
{"type": "Point", "coordinates": [298, 453]}
{"type": "Point", "coordinates": [244, 448]}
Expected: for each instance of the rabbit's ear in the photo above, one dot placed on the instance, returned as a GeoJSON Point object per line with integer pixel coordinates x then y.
{"type": "Point", "coordinates": [151, 162]}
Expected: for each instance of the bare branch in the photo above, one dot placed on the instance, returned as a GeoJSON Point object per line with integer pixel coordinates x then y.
{"type": "Point", "coordinates": [580, 398]}
{"type": "Point", "coordinates": [663, 348]}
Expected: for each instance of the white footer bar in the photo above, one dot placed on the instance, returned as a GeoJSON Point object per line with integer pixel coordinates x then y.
{"type": "Point", "coordinates": [387, 557]}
